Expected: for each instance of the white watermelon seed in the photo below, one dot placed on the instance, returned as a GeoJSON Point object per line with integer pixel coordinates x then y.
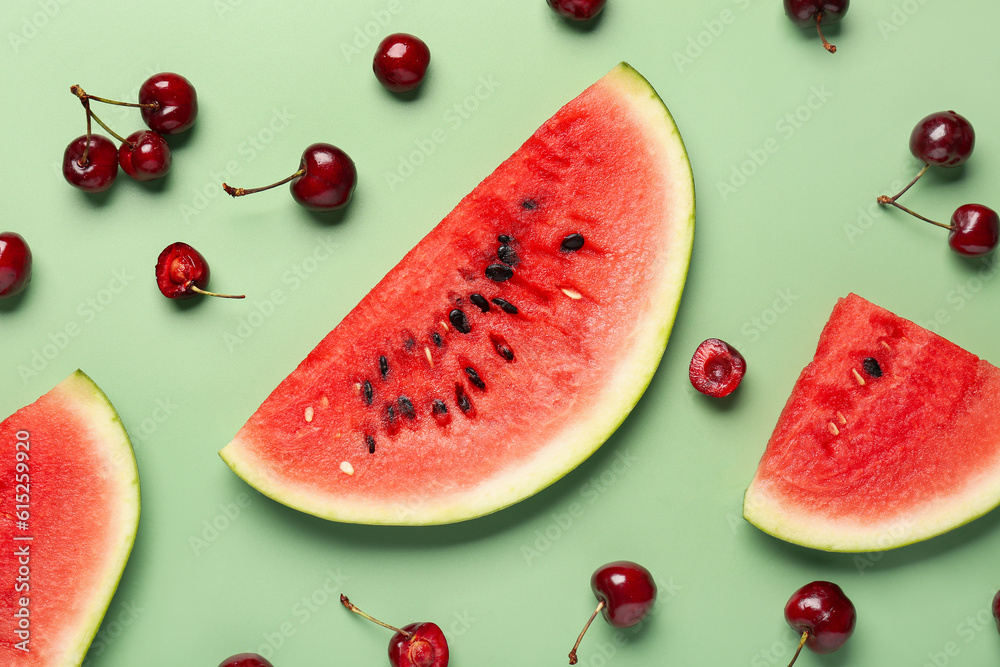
{"type": "Point", "coordinates": [571, 293]}
{"type": "Point", "coordinates": [346, 468]}
{"type": "Point", "coordinates": [857, 376]}
{"type": "Point", "coordinates": [309, 414]}
{"type": "Point", "coordinates": [833, 429]}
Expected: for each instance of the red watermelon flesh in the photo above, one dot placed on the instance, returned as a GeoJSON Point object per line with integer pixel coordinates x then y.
{"type": "Point", "coordinates": [891, 435]}
{"type": "Point", "coordinates": [70, 509]}
{"type": "Point", "coordinates": [496, 355]}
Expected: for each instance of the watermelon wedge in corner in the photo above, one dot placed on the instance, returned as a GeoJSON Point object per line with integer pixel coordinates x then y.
{"type": "Point", "coordinates": [891, 435]}
{"type": "Point", "coordinates": [508, 344]}
{"type": "Point", "coordinates": [70, 509]}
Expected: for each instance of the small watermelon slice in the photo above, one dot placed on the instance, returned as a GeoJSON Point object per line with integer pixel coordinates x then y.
{"type": "Point", "coordinates": [508, 344]}
{"type": "Point", "coordinates": [70, 510]}
{"type": "Point", "coordinates": [891, 435]}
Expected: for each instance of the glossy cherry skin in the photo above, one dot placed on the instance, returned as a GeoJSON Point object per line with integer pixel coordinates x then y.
{"type": "Point", "coordinates": [821, 608]}
{"type": "Point", "coordinates": [145, 155]}
{"type": "Point", "coordinates": [15, 264]}
{"type": "Point", "coordinates": [246, 660]}
{"type": "Point", "coordinates": [401, 62]}
{"type": "Point", "coordinates": [100, 169]}
{"type": "Point", "coordinates": [717, 368]}
{"type": "Point", "coordinates": [943, 139]}
{"type": "Point", "coordinates": [577, 10]}
{"type": "Point", "coordinates": [177, 100]}
{"type": "Point", "coordinates": [628, 592]}
{"type": "Point", "coordinates": [426, 646]}
{"type": "Point", "coordinates": [803, 12]}
{"type": "Point", "coordinates": [328, 181]}
{"type": "Point", "coordinates": [975, 230]}
{"type": "Point", "coordinates": [179, 267]}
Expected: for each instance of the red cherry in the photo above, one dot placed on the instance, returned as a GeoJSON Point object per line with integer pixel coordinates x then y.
{"type": "Point", "coordinates": [91, 166]}
{"type": "Point", "coordinates": [400, 62]}
{"type": "Point", "coordinates": [717, 368]}
{"type": "Point", "coordinates": [625, 593]}
{"type": "Point", "coordinates": [996, 609]}
{"type": "Point", "coordinates": [15, 264]}
{"type": "Point", "coordinates": [823, 615]}
{"type": "Point", "coordinates": [975, 230]}
{"type": "Point", "coordinates": [943, 139]}
{"type": "Point", "coordinates": [577, 10]}
{"type": "Point", "coordinates": [145, 155]}
{"type": "Point", "coordinates": [413, 645]}
{"type": "Point", "coordinates": [173, 103]}
{"type": "Point", "coordinates": [809, 13]}
{"type": "Point", "coordinates": [324, 181]}
{"type": "Point", "coordinates": [182, 272]}
{"type": "Point", "coordinates": [246, 660]}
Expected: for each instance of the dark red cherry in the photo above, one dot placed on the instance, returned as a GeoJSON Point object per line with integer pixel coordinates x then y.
{"type": "Point", "coordinates": [817, 13]}
{"type": "Point", "coordinates": [145, 155]}
{"type": "Point", "coordinates": [996, 609]}
{"type": "Point", "coordinates": [943, 139]}
{"type": "Point", "coordinates": [717, 368]}
{"type": "Point", "coordinates": [182, 272]}
{"type": "Point", "coordinates": [246, 660]}
{"type": "Point", "coordinates": [91, 166]}
{"type": "Point", "coordinates": [15, 264]}
{"type": "Point", "coordinates": [175, 103]}
{"type": "Point", "coordinates": [625, 593]}
{"type": "Point", "coordinates": [822, 615]}
{"type": "Point", "coordinates": [413, 645]}
{"type": "Point", "coordinates": [975, 230]}
{"type": "Point", "coordinates": [400, 62]}
{"type": "Point", "coordinates": [577, 10]}
{"type": "Point", "coordinates": [324, 181]}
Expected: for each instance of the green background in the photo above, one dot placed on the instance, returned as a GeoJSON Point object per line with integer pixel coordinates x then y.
{"type": "Point", "coordinates": [789, 147]}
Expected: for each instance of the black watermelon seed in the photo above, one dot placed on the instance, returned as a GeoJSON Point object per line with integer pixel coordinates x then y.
{"type": "Point", "coordinates": [504, 239]}
{"type": "Point", "coordinates": [499, 272]}
{"type": "Point", "coordinates": [474, 377]}
{"type": "Point", "coordinates": [529, 204]}
{"type": "Point", "coordinates": [871, 367]}
{"type": "Point", "coordinates": [480, 300]}
{"type": "Point", "coordinates": [507, 255]}
{"type": "Point", "coordinates": [572, 242]}
{"type": "Point", "coordinates": [369, 393]}
{"type": "Point", "coordinates": [409, 343]}
{"type": "Point", "coordinates": [506, 306]}
{"type": "Point", "coordinates": [370, 441]}
{"type": "Point", "coordinates": [406, 407]}
{"type": "Point", "coordinates": [436, 337]}
{"type": "Point", "coordinates": [439, 407]}
{"type": "Point", "coordinates": [462, 399]}
{"type": "Point", "coordinates": [390, 413]}
{"type": "Point", "coordinates": [383, 366]}
{"type": "Point", "coordinates": [459, 321]}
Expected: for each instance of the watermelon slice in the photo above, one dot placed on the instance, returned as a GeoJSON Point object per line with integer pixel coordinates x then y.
{"type": "Point", "coordinates": [891, 436]}
{"type": "Point", "coordinates": [508, 344]}
{"type": "Point", "coordinates": [70, 512]}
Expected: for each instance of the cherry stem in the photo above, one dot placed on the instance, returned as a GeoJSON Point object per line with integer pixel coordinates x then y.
{"type": "Point", "coordinates": [915, 215]}
{"type": "Point", "coordinates": [884, 199]}
{"type": "Point", "coordinates": [347, 603]}
{"type": "Point", "coordinates": [239, 192]}
{"type": "Point", "coordinates": [802, 642]}
{"type": "Point", "coordinates": [78, 91]}
{"type": "Point", "coordinates": [198, 290]}
{"type": "Point", "coordinates": [86, 149]}
{"type": "Point", "coordinates": [827, 45]}
{"type": "Point", "coordinates": [572, 654]}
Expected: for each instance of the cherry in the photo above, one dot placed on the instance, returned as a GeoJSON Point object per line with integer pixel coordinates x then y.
{"type": "Point", "coordinates": [943, 139]}
{"type": "Point", "coordinates": [577, 10]}
{"type": "Point", "coordinates": [974, 230]}
{"type": "Point", "coordinates": [625, 593]}
{"type": "Point", "coordinates": [400, 62]}
{"type": "Point", "coordinates": [91, 164]}
{"type": "Point", "coordinates": [169, 103]}
{"type": "Point", "coordinates": [15, 264]}
{"type": "Point", "coordinates": [145, 155]}
{"type": "Point", "coordinates": [823, 615]}
{"type": "Point", "coordinates": [717, 368]}
{"type": "Point", "coordinates": [808, 13]}
{"type": "Point", "coordinates": [246, 660]}
{"type": "Point", "coordinates": [182, 272]}
{"type": "Point", "coordinates": [413, 645]}
{"type": "Point", "coordinates": [996, 609]}
{"type": "Point", "coordinates": [324, 181]}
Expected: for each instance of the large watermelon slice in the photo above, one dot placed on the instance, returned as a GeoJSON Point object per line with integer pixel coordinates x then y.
{"type": "Point", "coordinates": [508, 344]}
{"type": "Point", "coordinates": [891, 435]}
{"type": "Point", "coordinates": [70, 499]}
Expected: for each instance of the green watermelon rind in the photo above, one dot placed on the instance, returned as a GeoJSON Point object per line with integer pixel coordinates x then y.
{"type": "Point", "coordinates": [97, 411]}
{"type": "Point", "coordinates": [576, 444]}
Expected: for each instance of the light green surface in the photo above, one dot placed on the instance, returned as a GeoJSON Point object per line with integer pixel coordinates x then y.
{"type": "Point", "coordinates": [770, 259]}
